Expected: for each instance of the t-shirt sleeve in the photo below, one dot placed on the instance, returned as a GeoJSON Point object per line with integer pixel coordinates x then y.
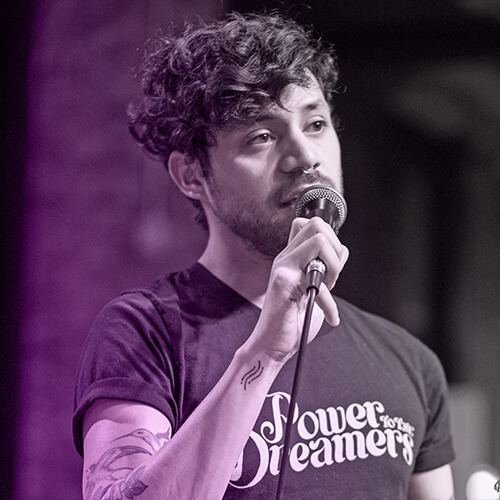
{"type": "Point", "coordinates": [128, 355]}
{"type": "Point", "coordinates": [437, 447]}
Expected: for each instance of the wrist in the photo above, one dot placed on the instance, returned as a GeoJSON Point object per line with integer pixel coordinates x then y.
{"type": "Point", "coordinates": [250, 355]}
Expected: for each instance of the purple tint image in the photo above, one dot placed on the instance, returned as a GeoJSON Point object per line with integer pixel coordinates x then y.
{"type": "Point", "coordinates": [251, 251]}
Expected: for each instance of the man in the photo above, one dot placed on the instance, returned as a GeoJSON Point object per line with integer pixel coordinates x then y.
{"type": "Point", "coordinates": [183, 388]}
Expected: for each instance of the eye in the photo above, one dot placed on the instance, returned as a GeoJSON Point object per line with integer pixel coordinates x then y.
{"type": "Point", "coordinates": [317, 126]}
{"type": "Point", "coordinates": [261, 138]}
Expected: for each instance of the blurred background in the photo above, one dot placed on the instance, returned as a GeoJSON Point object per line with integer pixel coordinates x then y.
{"type": "Point", "coordinates": [87, 215]}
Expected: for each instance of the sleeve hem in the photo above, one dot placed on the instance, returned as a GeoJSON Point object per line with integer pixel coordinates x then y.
{"type": "Point", "coordinates": [435, 457]}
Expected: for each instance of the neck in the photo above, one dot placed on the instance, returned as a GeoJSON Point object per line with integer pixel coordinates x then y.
{"type": "Point", "coordinates": [237, 265]}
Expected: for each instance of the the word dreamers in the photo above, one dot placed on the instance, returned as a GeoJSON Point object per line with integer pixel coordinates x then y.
{"type": "Point", "coordinates": [326, 436]}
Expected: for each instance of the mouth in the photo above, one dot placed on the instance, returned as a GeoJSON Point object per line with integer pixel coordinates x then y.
{"type": "Point", "coordinates": [289, 202]}
{"type": "Point", "coordinates": [290, 199]}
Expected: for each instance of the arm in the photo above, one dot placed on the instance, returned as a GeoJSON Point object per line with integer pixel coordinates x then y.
{"type": "Point", "coordinates": [127, 447]}
{"type": "Point", "coordinates": [436, 484]}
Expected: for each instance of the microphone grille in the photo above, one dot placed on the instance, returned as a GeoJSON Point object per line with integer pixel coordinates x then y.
{"type": "Point", "coordinates": [326, 193]}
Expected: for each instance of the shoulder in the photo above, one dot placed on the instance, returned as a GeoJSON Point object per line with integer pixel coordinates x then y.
{"type": "Point", "coordinates": [155, 311]}
{"type": "Point", "coordinates": [159, 299]}
{"type": "Point", "coordinates": [355, 318]}
{"type": "Point", "coordinates": [388, 335]}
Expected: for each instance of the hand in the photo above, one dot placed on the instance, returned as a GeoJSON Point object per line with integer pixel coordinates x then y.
{"type": "Point", "coordinates": [278, 330]}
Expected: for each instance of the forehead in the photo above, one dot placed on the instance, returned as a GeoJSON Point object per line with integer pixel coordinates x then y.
{"type": "Point", "coordinates": [296, 99]}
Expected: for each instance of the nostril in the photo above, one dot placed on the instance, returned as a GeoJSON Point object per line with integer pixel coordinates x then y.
{"type": "Point", "coordinates": [311, 169]}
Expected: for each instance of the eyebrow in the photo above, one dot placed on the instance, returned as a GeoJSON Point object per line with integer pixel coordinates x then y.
{"type": "Point", "coordinates": [310, 106]}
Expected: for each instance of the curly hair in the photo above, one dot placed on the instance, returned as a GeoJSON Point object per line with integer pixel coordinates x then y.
{"type": "Point", "coordinates": [219, 74]}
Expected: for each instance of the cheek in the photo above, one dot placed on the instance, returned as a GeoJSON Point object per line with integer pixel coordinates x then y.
{"type": "Point", "coordinates": [252, 183]}
{"type": "Point", "coordinates": [334, 144]}
{"type": "Point", "coordinates": [242, 190]}
{"type": "Point", "coordinates": [233, 171]}
{"type": "Point", "coordinates": [333, 153]}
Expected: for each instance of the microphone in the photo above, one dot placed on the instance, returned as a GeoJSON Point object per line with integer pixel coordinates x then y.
{"type": "Point", "coordinates": [329, 204]}
{"type": "Point", "coordinates": [324, 202]}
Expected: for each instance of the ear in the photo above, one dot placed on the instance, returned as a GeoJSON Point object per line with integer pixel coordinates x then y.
{"type": "Point", "coordinates": [187, 175]}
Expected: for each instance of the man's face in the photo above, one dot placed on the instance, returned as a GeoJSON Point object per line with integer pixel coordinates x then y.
{"type": "Point", "coordinates": [257, 171]}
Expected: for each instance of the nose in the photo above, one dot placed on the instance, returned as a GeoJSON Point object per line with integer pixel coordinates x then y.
{"type": "Point", "coordinates": [299, 153]}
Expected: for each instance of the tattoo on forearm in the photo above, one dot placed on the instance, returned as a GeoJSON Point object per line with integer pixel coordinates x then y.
{"type": "Point", "coordinates": [252, 375]}
{"type": "Point", "coordinates": [112, 478]}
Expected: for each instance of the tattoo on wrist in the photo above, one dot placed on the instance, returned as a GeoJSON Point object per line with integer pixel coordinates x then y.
{"type": "Point", "coordinates": [252, 375]}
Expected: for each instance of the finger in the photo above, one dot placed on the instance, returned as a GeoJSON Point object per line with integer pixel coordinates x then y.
{"type": "Point", "coordinates": [297, 224]}
{"type": "Point", "coordinates": [332, 274]}
{"type": "Point", "coordinates": [334, 257]}
{"type": "Point", "coordinates": [316, 226]}
{"type": "Point", "coordinates": [319, 247]}
{"type": "Point", "coordinates": [328, 305]}
{"type": "Point", "coordinates": [303, 230]}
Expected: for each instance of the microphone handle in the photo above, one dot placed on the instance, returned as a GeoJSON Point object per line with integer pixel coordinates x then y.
{"type": "Point", "coordinates": [315, 272]}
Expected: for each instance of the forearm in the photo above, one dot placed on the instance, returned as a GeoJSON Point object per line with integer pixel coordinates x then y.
{"type": "Point", "coordinates": [198, 461]}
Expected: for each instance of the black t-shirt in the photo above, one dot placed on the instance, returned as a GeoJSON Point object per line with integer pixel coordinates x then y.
{"type": "Point", "coordinates": [371, 409]}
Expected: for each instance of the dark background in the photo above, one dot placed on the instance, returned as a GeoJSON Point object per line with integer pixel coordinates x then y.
{"type": "Point", "coordinates": [85, 215]}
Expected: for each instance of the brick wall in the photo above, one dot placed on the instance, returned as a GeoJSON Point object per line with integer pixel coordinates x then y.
{"type": "Point", "coordinates": [97, 213]}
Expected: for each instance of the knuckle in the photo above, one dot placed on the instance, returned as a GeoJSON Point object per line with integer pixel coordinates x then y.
{"type": "Point", "coordinates": [317, 223]}
{"type": "Point", "coordinates": [320, 240]}
{"type": "Point", "coordinates": [280, 276]}
{"type": "Point", "coordinates": [299, 222]}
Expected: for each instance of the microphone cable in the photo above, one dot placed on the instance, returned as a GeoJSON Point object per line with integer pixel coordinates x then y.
{"type": "Point", "coordinates": [315, 272]}
{"type": "Point", "coordinates": [325, 202]}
